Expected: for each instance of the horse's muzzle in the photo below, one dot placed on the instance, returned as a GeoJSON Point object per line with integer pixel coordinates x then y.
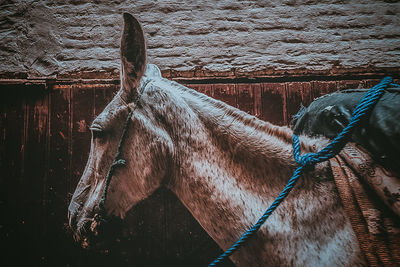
{"type": "Point", "coordinates": [97, 224]}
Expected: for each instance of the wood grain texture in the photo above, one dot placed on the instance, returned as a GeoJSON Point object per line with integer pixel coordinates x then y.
{"type": "Point", "coordinates": [11, 166]}
{"type": "Point", "coordinates": [273, 101]}
{"type": "Point", "coordinates": [245, 98]}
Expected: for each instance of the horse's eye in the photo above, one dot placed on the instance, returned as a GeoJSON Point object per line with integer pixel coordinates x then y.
{"type": "Point", "coordinates": [97, 132]}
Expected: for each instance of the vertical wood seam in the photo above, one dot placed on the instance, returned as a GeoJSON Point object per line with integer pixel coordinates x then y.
{"type": "Point", "coordinates": [284, 100]}
{"type": "Point", "coordinates": [70, 96]}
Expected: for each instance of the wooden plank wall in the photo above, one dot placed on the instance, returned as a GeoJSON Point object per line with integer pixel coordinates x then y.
{"type": "Point", "coordinates": [43, 150]}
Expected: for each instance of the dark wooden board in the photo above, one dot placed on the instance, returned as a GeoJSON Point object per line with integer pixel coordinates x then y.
{"type": "Point", "coordinates": [34, 183]}
{"type": "Point", "coordinates": [245, 95]}
{"type": "Point", "coordinates": [58, 180]}
{"type": "Point", "coordinates": [82, 114]}
{"type": "Point", "coordinates": [11, 166]}
{"type": "Point", "coordinates": [273, 103]}
{"type": "Point", "coordinates": [320, 88]}
{"type": "Point", "coordinates": [206, 89]}
{"type": "Point", "coordinates": [226, 93]}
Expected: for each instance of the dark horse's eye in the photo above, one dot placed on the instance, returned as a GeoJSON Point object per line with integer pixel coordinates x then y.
{"type": "Point", "coordinates": [97, 132]}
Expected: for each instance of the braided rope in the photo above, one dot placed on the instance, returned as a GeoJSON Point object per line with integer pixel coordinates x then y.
{"type": "Point", "coordinates": [118, 162]}
{"type": "Point", "coordinates": [395, 85]}
{"type": "Point", "coordinates": [308, 161]}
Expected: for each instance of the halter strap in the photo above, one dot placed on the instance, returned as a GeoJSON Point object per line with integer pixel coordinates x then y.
{"type": "Point", "coordinates": [118, 160]}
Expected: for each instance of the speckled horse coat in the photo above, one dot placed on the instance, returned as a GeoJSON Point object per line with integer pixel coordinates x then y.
{"type": "Point", "coordinates": [224, 165]}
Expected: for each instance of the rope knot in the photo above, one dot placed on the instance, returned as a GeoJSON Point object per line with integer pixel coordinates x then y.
{"type": "Point", "coordinates": [308, 161]}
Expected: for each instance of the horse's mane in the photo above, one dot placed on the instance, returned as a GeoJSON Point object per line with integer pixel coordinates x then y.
{"type": "Point", "coordinates": [283, 133]}
{"type": "Point", "coordinates": [221, 110]}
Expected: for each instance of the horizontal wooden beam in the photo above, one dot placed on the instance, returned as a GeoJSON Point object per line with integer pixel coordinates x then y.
{"type": "Point", "coordinates": [207, 76]}
{"type": "Point", "coordinates": [44, 83]}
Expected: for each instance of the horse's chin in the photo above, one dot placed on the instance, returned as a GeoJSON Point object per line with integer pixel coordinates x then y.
{"type": "Point", "coordinates": [99, 233]}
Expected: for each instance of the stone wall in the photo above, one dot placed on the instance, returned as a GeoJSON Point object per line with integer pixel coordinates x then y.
{"type": "Point", "coordinates": [194, 38]}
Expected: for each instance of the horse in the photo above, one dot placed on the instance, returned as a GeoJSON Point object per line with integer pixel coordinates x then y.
{"type": "Point", "coordinates": [224, 165]}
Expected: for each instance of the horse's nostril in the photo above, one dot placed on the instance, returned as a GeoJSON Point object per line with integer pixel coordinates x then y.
{"type": "Point", "coordinates": [96, 223]}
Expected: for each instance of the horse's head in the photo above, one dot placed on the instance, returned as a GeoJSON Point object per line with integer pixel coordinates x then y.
{"type": "Point", "coordinates": [146, 148]}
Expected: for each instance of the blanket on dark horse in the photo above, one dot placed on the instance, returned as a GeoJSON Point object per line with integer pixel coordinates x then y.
{"type": "Point", "coordinates": [366, 172]}
{"type": "Point", "coordinates": [379, 134]}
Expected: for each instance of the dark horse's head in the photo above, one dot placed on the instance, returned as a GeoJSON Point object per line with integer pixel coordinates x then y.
{"type": "Point", "coordinates": [146, 148]}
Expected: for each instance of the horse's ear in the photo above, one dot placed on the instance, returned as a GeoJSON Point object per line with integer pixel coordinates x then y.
{"type": "Point", "coordinates": [133, 55]}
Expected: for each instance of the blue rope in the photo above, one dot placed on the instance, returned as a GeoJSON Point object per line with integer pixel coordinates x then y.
{"type": "Point", "coordinates": [395, 85]}
{"type": "Point", "coordinates": [308, 161]}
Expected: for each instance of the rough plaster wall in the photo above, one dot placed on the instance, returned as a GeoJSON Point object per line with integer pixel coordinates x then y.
{"type": "Point", "coordinates": [44, 38]}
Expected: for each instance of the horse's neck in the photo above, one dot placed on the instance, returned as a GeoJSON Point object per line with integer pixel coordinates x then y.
{"type": "Point", "coordinates": [231, 166]}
